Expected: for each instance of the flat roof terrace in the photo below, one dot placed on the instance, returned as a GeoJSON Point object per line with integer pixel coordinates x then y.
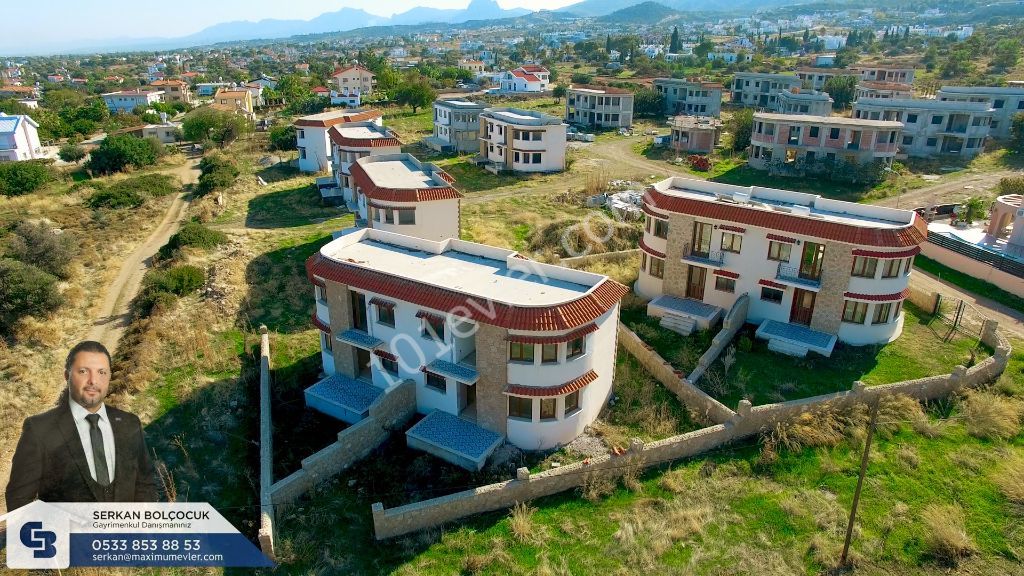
{"type": "Point", "coordinates": [840, 120]}
{"type": "Point", "coordinates": [521, 117]}
{"type": "Point", "coordinates": [400, 174]}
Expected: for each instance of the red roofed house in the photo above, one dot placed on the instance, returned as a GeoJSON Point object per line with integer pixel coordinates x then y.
{"type": "Point", "coordinates": [527, 78]}
{"type": "Point", "coordinates": [313, 142]}
{"type": "Point", "coordinates": [809, 270]}
{"type": "Point", "coordinates": [350, 142]}
{"type": "Point", "coordinates": [321, 91]}
{"type": "Point", "coordinates": [495, 346]}
{"type": "Point", "coordinates": [398, 193]}
{"type": "Point", "coordinates": [354, 80]}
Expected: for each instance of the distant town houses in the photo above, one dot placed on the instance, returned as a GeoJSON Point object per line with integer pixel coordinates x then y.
{"type": "Point", "coordinates": [513, 139]}
{"type": "Point", "coordinates": [599, 106]}
{"type": "Point", "coordinates": [526, 78]}
{"type": "Point", "coordinates": [19, 138]}
{"type": "Point", "coordinates": [236, 101]}
{"type": "Point", "coordinates": [207, 89]}
{"type": "Point", "coordinates": [932, 127]}
{"type": "Point", "coordinates": [354, 80]}
{"type": "Point", "coordinates": [166, 132]}
{"type": "Point", "coordinates": [798, 144]}
{"type": "Point", "coordinates": [1004, 101]}
{"type": "Point", "coordinates": [126, 101]}
{"type": "Point", "coordinates": [174, 91]}
{"type": "Point", "coordinates": [456, 126]}
{"type": "Point", "coordinates": [694, 97]}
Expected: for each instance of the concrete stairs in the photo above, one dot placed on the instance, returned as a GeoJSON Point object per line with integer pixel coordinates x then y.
{"type": "Point", "coordinates": [679, 324]}
{"type": "Point", "coordinates": [788, 348]}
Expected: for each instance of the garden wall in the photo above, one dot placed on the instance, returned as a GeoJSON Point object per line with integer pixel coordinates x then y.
{"type": "Point", "coordinates": [576, 261]}
{"type": "Point", "coordinates": [747, 421]}
{"type": "Point", "coordinates": [731, 325]}
{"type": "Point", "coordinates": [266, 531]}
{"type": "Point", "coordinates": [972, 267]}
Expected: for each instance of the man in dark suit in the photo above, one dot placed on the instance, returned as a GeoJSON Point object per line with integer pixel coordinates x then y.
{"type": "Point", "coordinates": [82, 450]}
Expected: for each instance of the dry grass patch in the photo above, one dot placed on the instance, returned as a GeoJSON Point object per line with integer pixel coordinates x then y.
{"type": "Point", "coordinates": [653, 526]}
{"type": "Point", "coordinates": [520, 523]}
{"type": "Point", "coordinates": [596, 485]}
{"type": "Point", "coordinates": [946, 536]}
{"type": "Point", "coordinates": [1009, 477]}
{"type": "Point", "coordinates": [991, 416]}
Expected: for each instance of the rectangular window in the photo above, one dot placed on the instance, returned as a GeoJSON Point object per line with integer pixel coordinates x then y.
{"type": "Point", "coordinates": [548, 353]}
{"type": "Point", "coordinates": [386, 315]}
{"type": "Point", "coordinates": [833, 133]}
{"type": "Point", "coordinates": [536, 157]}
{"type": "Point", "coordinates": [882, 312]}
{"type": "Point", "coordinates": [547, 408]}
{"type": "Point", "coordinates": [771, 295]}
{"type": "Point", "coordinates": [911, 118]}
{"type": "Point", "coordinates": [908, 140]}
{"type": "Point", "coordinates": [855, 312]}
{"type": "Point", "coordinates": [891, 268]}
{"type": "Point", "coordinates": [520, 407]}
{"type": "Point", "coordinates": [936, 119]}
{"type": "Point", "coordinates": [931, 142]}
{"type": "Point", "coordinates": [814, 131]}
{"type": "Point", "coordinates": [433, 328]}
{"type": "Point", "coordinates": [661, 228]}
{"type": "Point", "coordinates": [998, 103]}
{"type": "Point", "coordinates": [864, 267]}
{"type": "Point", "coordinates": [437, 382]}
{"type": "Point", "coordinates": [520, 352]}
{"type": "Point", "coordinates": [731, 242]}
{"type": "Point", "coordinates": [575, 347]}
{"type": "Point", "coordinates": [328, 341]}
{"type": "Point", "coordinates": [910, 263]}
{"type": "Point", "coordinates": [318, 292]}
{"type": "Point", "coordinates": [779, 251]}
{"type": "Point", "coordinates": [572, 402]}
{"type": "Point", "coordinates": [389, 216]}
{"type": "Point", "coordinates": [406, 216]}
{"type": "Point", "coordinates": [391, 366]}
{"type": "Point", "coordinates": [725, 284]}
{"type": "Point", "coordinates": [657, 267]}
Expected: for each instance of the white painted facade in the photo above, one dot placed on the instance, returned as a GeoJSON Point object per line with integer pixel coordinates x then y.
{"type": "Point", "coordinates": [125, 101]}
{"type": "Point", "coordinates": [19, 138]}
{"type": "Point", "coordinates": [398, 193]}
{"type": "Point", "coordinates": [313, 142]}
{"type": "Point", "coordinates": [1005, 102]}
{"type": "Point", "coordinates": [522, 140]}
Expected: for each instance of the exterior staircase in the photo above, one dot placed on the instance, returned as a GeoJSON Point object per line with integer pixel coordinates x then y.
{"type": "Point", "coordinates": [683, 325]}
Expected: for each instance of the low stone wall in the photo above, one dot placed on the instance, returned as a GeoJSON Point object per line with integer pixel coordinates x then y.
{"type": "Point", "coordinates": [924, 300]}
{"type": "Point", "coordinates": [266, 531]}
{"type": "Point", "coordinates": [731, 324]}
{"type": "Point", "coordinates": [700, 404]}
{"type": "Point", "coordinates": [747, 421]}
{"type": "Point", "coordinates": [389, 412]}
{"type": "Point", "coordinates": [578, 261]}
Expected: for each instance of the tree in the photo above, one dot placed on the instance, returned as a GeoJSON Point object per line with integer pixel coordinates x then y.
{"type": "Point", "coordinates": [72, 153]}
{"type": "Point", "coordinates": [846, 56]}
{"type": "Point", "coordinates": [416, 92]}
{"type": "Point", "coordinates": [1005, 54]}
{"type": "Point", "coordinates": [116, 153]}
{"type": "Point", "coordinates": [558, 92]}
{"type": "Point", "coordinates": [701, 50]}
{"type": "Point", "coordinates": [958, 63]}
{"type": "Point", "coordinates": [283, 138]}
{"type": "Point", "coordinates": [674, 45]}
{"type": "Point", "coordinates": [842, 89]}
{"type": "Point", "coordinates": [1017, 132]}
{"type": "Point", "coordinates": [975, 208]}
{"type": "Point", "coordinates": [741, 125]}
{"type": "Point", "coordinates": [216, 173]}
{"type": "Point", "coordinates": [49, 250]}
{"type": "Point", "coordinates": [17, 178]}
{"type": "Point", "coordinates": [204, 124]}
{"type": "Point", "coordinates": [648, 102]}
{"type": "Point", "coordinates": [24, 291]}
{"type": "Point", "coordinates": [581, 78]}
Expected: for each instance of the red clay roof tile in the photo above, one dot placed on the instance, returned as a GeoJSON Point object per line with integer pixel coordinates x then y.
{"type": "Point", "coordinates": [567, 388]}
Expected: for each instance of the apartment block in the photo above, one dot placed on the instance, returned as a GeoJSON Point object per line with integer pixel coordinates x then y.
{"type": "Point", "coordinates": [696, 134]}
{"type": "Point", "coordinates": [599, 106]}
{"type": "Point", "coordinates": [815, 78]}
{"type": "Point", "coordinates": [521, 141]}
{"type": "Point", "coordinates": [1005, 102]}
{"type": "Point", "coordinates": [398, 193]}
{"type": "Point", "coordinates": [797, 101]}
{"type": "Point", "coordinates": [498, 346]}
{"type": "Point", "coordinates": [456, 125]}
{"type": "Point", "coordinates": [813, 270]}
{"type": "Point", "coordinates": [313, 142]}
{"type": "Point", "coordinates": [932, 127]}
{"type": "Point", "coordinates": [761, 89]}
{"type": "Point", "coordinates": [355, 79]}
{"type": "Point", "coordinates": [174, 91]}
{"type": "Point", "coordinates": [692, 97]}
{"type": "Point", "coordinates": [126, 101]}
{"type": "Point", "coordinates": [884, 73]}
{"type": "Point", "coordinates": [799, 140]}
{"type": "Point", "coordinates": [868, 89]}
{"type": "Point", "coordinates": [351, 141]}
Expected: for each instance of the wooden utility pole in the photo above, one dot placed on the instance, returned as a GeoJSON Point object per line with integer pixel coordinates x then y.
{"type": "Point", "coordinates": [860, 483]}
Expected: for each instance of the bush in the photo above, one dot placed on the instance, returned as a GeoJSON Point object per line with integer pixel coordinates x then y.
{"type": "Point", "coordinates": [71, 153]}
{"type": "Point", "coordinates": [17, 178]}
{"type": "Point", "coordinates": [283, 138]}
{"type": "Point", "coordinates": [699, 163]}
{"type": "Point", "coordinates": [117, 153]}
{"type": "Point", "coordinates": [39, 245]}
{"type": "Point", "coordinates": [192, 234]}
{"type": "Point", "coordinates": [115, 197]}
{"type": "Point", "coordinates": [581, 78]}
{"type": "Point", "coordinates": [217, 173]}
{"type": "Point", "coordinates": [160, 288]}
{"type": "Point", "coordinates": [989, 415]}
{"type": "Point", "coordinates": [1011, 185]}
{"type": "Point", "coordinates": [25, 291]}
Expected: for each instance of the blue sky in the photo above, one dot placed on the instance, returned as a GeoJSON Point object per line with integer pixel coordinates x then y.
{"type": "Point", "coordinates": [59, 22]}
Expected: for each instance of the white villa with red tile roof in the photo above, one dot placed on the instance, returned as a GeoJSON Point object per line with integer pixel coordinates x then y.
{"type": "Point", "coordinates": [526, 78]}
{"type": "Point", "coordinates": [498, 346]}
{"type": "Point", "coordinates": [398, 193]}
{"type": "Point", "coordinates": [815, 269]}
{"type": "Point", "coordinates": [313, 142]}
{"type": "Point", "coordinates": [349, 142]}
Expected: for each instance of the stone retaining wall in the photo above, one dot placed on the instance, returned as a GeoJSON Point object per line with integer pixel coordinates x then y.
{"type": "Point", "coordinates": [577, 261]}
{"type": "Point", "coordinates": [266, 531]}
{"type": "Point", "coordinates": [731, 324]}
{"type": "Point", "coordinates": [747, 421]}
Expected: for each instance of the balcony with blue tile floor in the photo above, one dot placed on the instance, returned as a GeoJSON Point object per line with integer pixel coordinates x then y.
{"type": "Point", "coordinates": [453, 439]}
{"type": "Point", "coordinates": [704, 315]}
{"type": "Point", "coordinates": [344, 398]}
{"type": "Point", "coordinates": [359, 339]}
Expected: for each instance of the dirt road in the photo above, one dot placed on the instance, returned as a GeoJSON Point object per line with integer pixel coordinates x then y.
{"type": "Point", "coordinates": [1010, 320]}
{"type": "Point", "coordinates": [114, 314]}
{"type": "Point", "coordinates": [946, 192]}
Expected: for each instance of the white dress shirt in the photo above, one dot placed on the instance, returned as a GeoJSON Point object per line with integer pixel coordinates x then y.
{"type": "Point", "coordinates": [79, 413]}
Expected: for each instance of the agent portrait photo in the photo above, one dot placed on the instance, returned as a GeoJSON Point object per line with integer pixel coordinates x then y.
{"type": "Point", "coordinates": [83, 450]}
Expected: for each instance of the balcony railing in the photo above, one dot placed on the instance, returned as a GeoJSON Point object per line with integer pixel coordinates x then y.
{"type": "Point", "coordinates": [709, 258]}
{"type": "Point", "coordinates": [794, 275]}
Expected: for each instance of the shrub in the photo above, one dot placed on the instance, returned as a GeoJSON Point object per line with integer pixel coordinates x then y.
{"type": "Point", "coordinates": [581, 78]}
{"type": "Point", "coordinates": [989, 415]}
{"type": "Point", "coordinates": [41, 246]}
{"type": "Point", "coordinates": [17, 178]}
{"type": "Point", "coordinates": [115, 197]}
{"type": "Point", "coordinates": [520, 522]}
{"type": "Point", "coordinates": [160, 288]}
{"type": "Point", "coordinates": [1009, 477]}
{"type": "Point", "coordinates": [699, 163]}
{"type": "Point", "coordinates": [117, 153]}
{"type": "Point", "coordinates": [192, 234]}
{"type": "Point", "coordinates": [71, 153]}
{"type": "Point", "coordinates": [217, 173]}
{"type": "Point", "coordinates": [1011, 185]}
{"type": "Point", "coordinates": [745, 344]}
{"type": "Point", "coordinates": [25, 291]}
{"type": "Point", "coordinates": [283, 138]}
{"type": "Point", "coordinates": [946, 536]}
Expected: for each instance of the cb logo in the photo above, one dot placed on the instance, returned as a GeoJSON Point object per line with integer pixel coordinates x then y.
{"type": "Point", "coordinates": [40, 541]}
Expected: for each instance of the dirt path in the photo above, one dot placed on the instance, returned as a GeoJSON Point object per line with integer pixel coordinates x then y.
{"type": "Point", "coordinates": [114, 314]}
{"type": "Point", "coordinates": [1009, 319]}
{"type": "Point", "coordinates": [946, 192]}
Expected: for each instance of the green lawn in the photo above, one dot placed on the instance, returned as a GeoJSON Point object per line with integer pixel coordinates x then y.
{"type": "Point", "coordinates": [763, 376]}
{"type": "Point", "coordinates": [472, 178]}
{"type": "Point", "coordinates": [969, 283]}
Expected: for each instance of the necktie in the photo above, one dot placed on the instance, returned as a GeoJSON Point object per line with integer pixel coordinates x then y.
{"type": "Point", "coordinates": [99, 454]}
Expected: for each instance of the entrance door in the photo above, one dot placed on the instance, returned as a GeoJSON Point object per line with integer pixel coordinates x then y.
{"type": "Point", "coordinates": [803, 307]}
{"type": "Point", "coordinates": [695, 283]}
{"type": "Point", "coordinates": [359, 311]}
{"type": "Point", "coordinates": [363, 364]}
